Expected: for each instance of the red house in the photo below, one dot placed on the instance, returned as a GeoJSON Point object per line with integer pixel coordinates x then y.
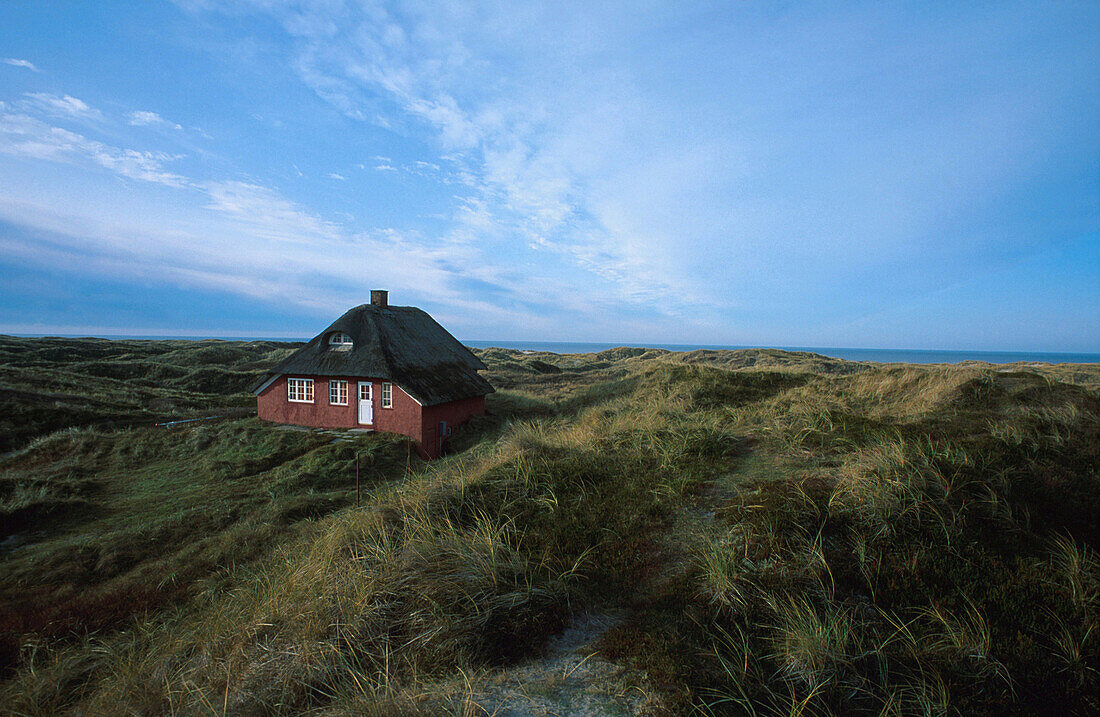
{"type": "Point", "coordinates": [381, 367]}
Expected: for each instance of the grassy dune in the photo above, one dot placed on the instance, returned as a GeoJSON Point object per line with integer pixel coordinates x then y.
{"type": "Point", "coordinates": [765, 533]}
{"type": "Point", "coordinates": [47, 385]}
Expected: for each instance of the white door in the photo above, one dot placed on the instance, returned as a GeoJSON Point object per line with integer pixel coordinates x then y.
{"type": "Point", "coordinates": [366, 404]}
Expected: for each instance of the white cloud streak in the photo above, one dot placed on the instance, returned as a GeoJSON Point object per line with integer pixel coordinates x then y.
{"type": "Point", "coordinates": [253, 243]}
{"type": "Point", "coordinates": [25, 136]}
{"type": "Point", "coordinates": [752, 158]}
{"type": "Point", "coordinates": [63, 106]}
{"type": "Point", "coordinates": [14, 62]}
{"type": "Point", "coordinates": [145, 118]}
{"type": "Point", "coordinates": [816, 151]}
{"type": "Point", "coordinates": [503, 146]}
{"type": "Point", "coordinates": [243, 237]}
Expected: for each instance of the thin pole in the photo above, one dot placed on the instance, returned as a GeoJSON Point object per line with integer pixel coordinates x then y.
{"type": "Point", "coordinates": [356, 479]}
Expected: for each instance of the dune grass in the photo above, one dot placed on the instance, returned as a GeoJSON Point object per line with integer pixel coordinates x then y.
{"type": "Point", "coordinates": [102, 525]}
{"type": "Point", "coordinates": [52, 384]}
{"type": "Point", "coordinates": [779, 534]}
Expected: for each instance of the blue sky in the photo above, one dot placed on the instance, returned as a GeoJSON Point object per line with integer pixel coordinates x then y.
{"type": "Point", "coordinates": [878, 174]}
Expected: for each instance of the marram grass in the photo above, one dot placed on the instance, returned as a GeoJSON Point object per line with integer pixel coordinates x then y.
{"type": "Point", "coordinates": [776, 535]}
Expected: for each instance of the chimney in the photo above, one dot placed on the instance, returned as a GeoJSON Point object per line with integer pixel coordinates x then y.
{"type": "Point", "coordinates": [379, 297]}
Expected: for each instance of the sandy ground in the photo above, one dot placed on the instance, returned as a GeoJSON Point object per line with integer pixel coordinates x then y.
{"type": "Point", "coordinates": [570, 680]}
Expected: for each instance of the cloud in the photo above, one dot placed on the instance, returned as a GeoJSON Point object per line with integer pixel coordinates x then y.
{"type": "Point", "coordinates": [334, 175]}
{"type": "Point", "coordinates": [243, 237]}
{"type": "Point", "coordinates": [631, 185]}
{"type": "Point", "coordinates": [239, 236]}
{"type": "Point", "coordinates": [261, 212]}
{"type": "Point", "coordinates": [19, 63]}
{"type": "Point", "coordinates": [817, 153]}
{"type": "Point", "coordinates": [65, 105]}
{"type": "Point", "coordinates": [522, 153]}
{"type": "Point", "coordinates": [248, 240]}
{"type": "Point", "coordinates": [146, 119]}
{"type": "Point", "coordinates": [22, 135]}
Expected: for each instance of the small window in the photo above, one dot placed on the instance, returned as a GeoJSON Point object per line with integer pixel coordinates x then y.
{"type": "Point", "coordinates": [340, 341]}
{"type": "Point", "coordinates": [338, 392]}
{"type": "Point", "coordinates": [387, 395]}
{"type": "Point", "coordinates": [299, 390]}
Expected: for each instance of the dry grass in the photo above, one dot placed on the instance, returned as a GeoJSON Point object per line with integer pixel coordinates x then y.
{"type": "Point", "coordinates": [806, 538]}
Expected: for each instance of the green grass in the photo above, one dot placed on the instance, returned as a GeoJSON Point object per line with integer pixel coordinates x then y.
{"type": "Point", "coordinates": [102, 525]}
{"type": "Point", "coordinates": [780, 534]}
{"type": "Point", "coordinates": [49, 385]}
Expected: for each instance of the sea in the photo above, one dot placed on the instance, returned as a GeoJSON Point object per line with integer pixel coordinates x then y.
{"type": "Point", "coordinates": [849, 354]}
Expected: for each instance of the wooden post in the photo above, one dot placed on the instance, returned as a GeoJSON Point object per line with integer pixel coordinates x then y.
{"type": "Point", "coordinates": [357, 479]}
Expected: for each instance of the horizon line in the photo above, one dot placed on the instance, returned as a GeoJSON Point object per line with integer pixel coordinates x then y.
{"type": "Point", "coordinates": [494, 343]}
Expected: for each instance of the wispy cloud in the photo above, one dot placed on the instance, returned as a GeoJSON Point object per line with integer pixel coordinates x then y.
{"type": "Point", "coordinates": [499, 145]}
{"type": "Point", "coordinates": [261, 212]}
{"type": "Point", "coordinates": [64, 105]}
{"type": "Point", "coordinates": [245, 237]}
{"type": "Point", "coordinates": [515, 153]}
{"type": "Point", "coordinates": [19, 63]}
{"type": "Point", "coordinates": [145, 119]}
{"type": "Point", "coordinates": [334, 175]}
{"type": "Point", "coordinates": [252, 242]}
{"type": "Point", "coordinates": [587, 143]}
{"type": "Point", "coordinates": [569, 165]}
{"type": "Point", "coordinates": [26, 136]}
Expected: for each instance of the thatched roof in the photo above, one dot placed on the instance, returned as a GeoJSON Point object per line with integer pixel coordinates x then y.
{"type": "Point", "coordinates": [401, 344]}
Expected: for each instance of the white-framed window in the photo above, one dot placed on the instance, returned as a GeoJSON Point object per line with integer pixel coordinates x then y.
{"type": "Point", "coordinates": [365, 390]}
{"type": "Point", "coordinates": [299, 390]}
{"type": "Point", "coordinates": [340, 341]}
{"type": "Point", "coordinates": [387, 395]}
{"type": "Point", "coordinates": [338, 392]}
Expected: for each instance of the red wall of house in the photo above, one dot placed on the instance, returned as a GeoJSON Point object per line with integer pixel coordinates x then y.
{"type": "Point", "coordinates": [403, 418]}
{"type": "Point", "coordinates": [272, 405]}
{"type": "Point", "coordinates": [454, 413]}
{"type": "Point", "coordinates": [406, 416]}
